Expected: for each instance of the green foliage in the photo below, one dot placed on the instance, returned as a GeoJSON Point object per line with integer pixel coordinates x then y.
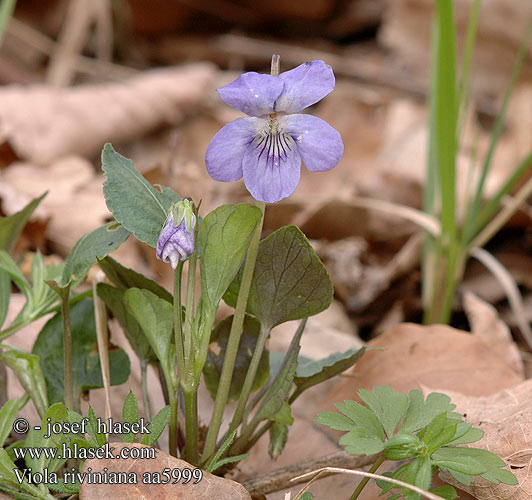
{"type": "Point", "coordinates": [86, 361]}
{"type": "Point", "coordinates": [224, 238]}
{"type": "Point", "coordinates": [289, 281]}
{"type": "Point", "coordinates": [114, 300]}
{"type": "Point", "coordinates": [155, 317]}
{"type": "Point", "coordinates": [91, 247]}
{"type": "Point", "coordinates": [133, 201]}
{"type": "Point", "coordinates": [156, 427]}
{"type": "Point", "coordinates": [130, 414]}
{"type": "Point", "coordinates": [217, 461]}
{"type": "Point", "coordinates": [216, 355]}
{"type": "Point", "coordinates": [124, 278]}
{"type": "Point", "coordinates": [424, 431]}
{"type": "Point", "coordinates": [8, 413]}
{"type": "Point", "coordinates": [28, 370]}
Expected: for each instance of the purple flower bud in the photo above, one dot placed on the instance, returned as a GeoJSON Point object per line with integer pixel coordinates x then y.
{"type": "Point", "coordinates": [176, 241]}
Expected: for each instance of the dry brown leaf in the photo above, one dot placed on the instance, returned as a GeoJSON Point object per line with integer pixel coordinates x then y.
{"type": "Point", "coordinates": [435, 356]}
{"type": "Point", "coordinates": [42, 123]}
{"type": "Point", "coordinates": [209, 488]}
{"type": "Point", "coordinates": [486, 324]}
{"type": "Point", "coordinates": [506, 419]}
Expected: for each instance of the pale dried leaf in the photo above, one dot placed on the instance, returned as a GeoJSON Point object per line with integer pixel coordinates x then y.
{"type": "Point", "coordinates": [506, 419]}
{"type": "Point", "coordinates": [209, 488]}
{"type": "Point", "coordinates": [486, 324]}
{"type": "Point", "coordinates": [43, 123]}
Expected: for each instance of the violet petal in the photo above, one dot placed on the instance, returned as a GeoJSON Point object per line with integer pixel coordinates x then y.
{"type": "Point", "coordinates": [320, 145]}
{"type": "Point", "coordinates": [227, 148]}
{"type": "Point", "coordinates": [305, 85]}
{"type": "Point", "coordinates": [272, 167]}
{"type": "Point", "coordinates": [252, 93]}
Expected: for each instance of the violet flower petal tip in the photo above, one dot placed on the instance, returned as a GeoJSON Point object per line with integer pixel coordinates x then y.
{"type": "Point", "coordinates": [227, 148]}
{"type": "Point", "coordinates": [320, 145]}
{"type": "Point", "coordinates": [305, 85]}
{"type": "Point", "coordinates": [252, 93]}
{"type": "Point", "coordinates": [272, 171]}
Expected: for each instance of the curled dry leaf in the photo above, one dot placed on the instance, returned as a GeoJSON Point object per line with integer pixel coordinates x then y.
{"type": "Point", "coordinates": [210, 487]}
{"type": "Point", "coordinates": [506, 419]}
{"type": "Point", "coordinates": [42, 123]}
{"type": "Point", "coordinates": [486, 324]}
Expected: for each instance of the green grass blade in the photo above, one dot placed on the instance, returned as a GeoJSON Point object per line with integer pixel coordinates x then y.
{"type": "Point", "coordinates": [6, 11]}
{"type": "Point", "coordinates": [497, 131]}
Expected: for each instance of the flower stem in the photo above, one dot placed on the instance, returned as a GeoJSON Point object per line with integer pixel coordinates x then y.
{"type": "Point", "coordinates": [178, 319]}
{"type": "Point", "coordinates": [233, 342]}
{"type": "Point", "coordinates": [365, 480]}
{"type": "Point", "coordinates": [145, 393]}
{"type": "Point", "coordinates": [174, 407]}
{"type": "Point", "coordinates": [191, 422]}
{"type": "Point", "coordinates": [67, 352]}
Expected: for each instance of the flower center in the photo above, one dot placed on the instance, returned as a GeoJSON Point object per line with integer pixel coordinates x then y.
{"type": "Point", "coordinates": [273, 141]}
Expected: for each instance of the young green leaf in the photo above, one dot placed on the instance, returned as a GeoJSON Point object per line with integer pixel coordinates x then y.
{"type": "Point", "coordinates": [224, 238]}
{"type": "Point", "coordinates": [5, 295]}
{"type": "Point", "coordinates": [7, 264]}
{"type": "Point", "coordinates": [156, 427]}
{"type": "Point", "coordinates": [86, 361]}
{"type": "Point", "coordinates": [130, 414]}
{"type": "Point", "coordinates": [289, 281]}
{"type": "Point", "coordinates": [155, 316]}
{"type": "Point", "coordinates": [450, 458]}
{"type": "Point", "coordinates": [96, 438]}
{"type": "Point", "coordinates": [362, 417]}
{"type": "Point", "coordinates": [36, 439]}
{"type": "Point", "coordinates": [421, 412]}
{"type": "Point", "coordinates": [278, 439]}
{"type": "Point", "coordinates": [11, 227]}
{"type": "Point", "coordinates": [91, 247]}
{"type": "Point", "coordinates": [389, 406]}
{"type": "Point", "coordinates": [447, 492]}
{"type": "Point", "coordinates": [8, 413]}
{"type": "Point", "coordinates": [114, 300]}
{"type": "Point", "coordinates": [216, 355]}
{"type": "Point", "coordinates": [29, 373]}
{"type": "Point", "coordinates": [361, 442]}
{"type": "Point", "coordinates": [133, 201]}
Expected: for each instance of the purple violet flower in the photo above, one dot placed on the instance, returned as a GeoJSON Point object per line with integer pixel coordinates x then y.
{"type": "Point", "coordinates": [176, 241]}
{"type": "Point", "coordinates": [267, 149]}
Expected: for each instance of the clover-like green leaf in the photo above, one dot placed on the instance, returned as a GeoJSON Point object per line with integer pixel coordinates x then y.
{"type": "Point", "coordinates": [133, 201]}
{"type": "Point", "coordinates": [421, 412]}
{"type": "Point", "coordinates": [389, 406]}
{"type": "Point", "coordinates": [289, 281]}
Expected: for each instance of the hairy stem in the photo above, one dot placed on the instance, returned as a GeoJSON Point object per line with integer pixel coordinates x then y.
{"type": "Point", "coordinates": [191, 424]}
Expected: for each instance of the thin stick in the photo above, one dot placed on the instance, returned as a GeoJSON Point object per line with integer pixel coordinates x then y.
{"type": "Point", "coordinates": [335, 470]}
{"type": "Point", "coordinates": [283, 478]}
{"type": "Point", "coordinates": [102, 337]}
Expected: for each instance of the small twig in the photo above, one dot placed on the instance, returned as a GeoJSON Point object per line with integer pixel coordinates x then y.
{"type": "Point", "coordinates": [318, 474]}
{"type": "Point", "coordinates": [102, 337]}
{"type": "Point", "coordinates": [281, 479]}
{"type": "Point", "coordinates": [86, 65]}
